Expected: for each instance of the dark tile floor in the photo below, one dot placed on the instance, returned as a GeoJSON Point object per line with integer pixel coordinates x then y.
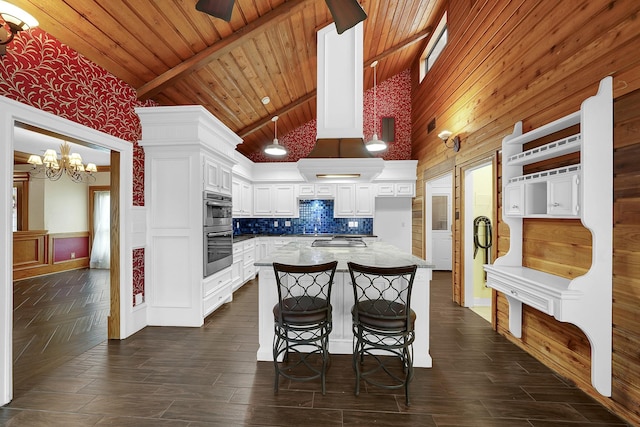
{"type": "Point", "coordinates": [209, 377]}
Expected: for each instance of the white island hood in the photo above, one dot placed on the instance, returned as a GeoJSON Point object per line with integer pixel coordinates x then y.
{"type": "Point", "coordinates": [340, 154]}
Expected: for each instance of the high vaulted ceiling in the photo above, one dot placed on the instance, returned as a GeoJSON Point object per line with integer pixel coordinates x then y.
{"type": "Point", "coordinates": [175, 55]}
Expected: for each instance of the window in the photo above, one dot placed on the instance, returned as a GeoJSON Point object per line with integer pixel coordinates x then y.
{"type": "Point", "coordinates": [435, 46]}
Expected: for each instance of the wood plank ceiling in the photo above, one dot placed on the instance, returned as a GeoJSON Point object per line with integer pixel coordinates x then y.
{"type": "Point", "coordinates": [176, 55]}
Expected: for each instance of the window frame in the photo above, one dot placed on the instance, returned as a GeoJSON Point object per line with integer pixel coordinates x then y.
{"type": "Point", "coordinates": [436, 36]}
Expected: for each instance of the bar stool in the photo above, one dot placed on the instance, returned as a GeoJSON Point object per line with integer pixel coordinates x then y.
{"type": "Point", "coordinates": [383, 325]}
{"type": "Point", "coordinates": [302, 319]}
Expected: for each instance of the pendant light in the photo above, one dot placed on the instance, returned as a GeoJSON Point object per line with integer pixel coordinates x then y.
{"type": "Point", "coordinates": [375, 144]}
{"type": "Point", "coordinates": [275, 149]}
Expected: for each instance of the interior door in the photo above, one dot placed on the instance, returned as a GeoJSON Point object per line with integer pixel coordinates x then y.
{"type": "Point", "coordinates": [441, 230]}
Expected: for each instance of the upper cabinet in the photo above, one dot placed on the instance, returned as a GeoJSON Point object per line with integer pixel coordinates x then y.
{"type": "Point", "coordinates": [354, 200]}
{"type": "Point", "coordinates": [582, 189]}
{"type": "Point", "coordinates": [242, 197]}
{"type": "Point", "coordinates": [317, 191]}
{"type": "Point", "coordinates": [274, 200]}
{"type": "Point", "coordinates": [396, 189]}
{"type": "Point", "coordinates": [216, 176]}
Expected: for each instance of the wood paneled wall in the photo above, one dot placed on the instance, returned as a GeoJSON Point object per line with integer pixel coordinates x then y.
{"type": "Point", "coordinates": [536, 61]}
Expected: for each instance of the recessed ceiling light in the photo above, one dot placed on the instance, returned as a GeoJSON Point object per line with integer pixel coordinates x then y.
{"type": "Point", "coordinates": [266, 100]}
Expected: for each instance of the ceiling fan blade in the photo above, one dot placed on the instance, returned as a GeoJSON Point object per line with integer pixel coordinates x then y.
{"type": "Point", "coordinates": [219, 8]}
{"type": "Point", "coordinates": [346, 13]}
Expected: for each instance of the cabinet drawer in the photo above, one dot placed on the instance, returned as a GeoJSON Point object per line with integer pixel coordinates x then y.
{"type": "Point", "coordinates": [249, 257]}
{"type": "Point", "coordinates": [249, 272]}
{"type": "Point", "coordinates": [212, 284]}
{"type": "Point", "coordinates": [537, 301]}
{"type": "Point", "coordinates": [216, 299]}
{"type": "Point", "coordinates": [237, 248]}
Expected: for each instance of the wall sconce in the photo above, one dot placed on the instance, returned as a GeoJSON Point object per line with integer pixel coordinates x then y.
{"type": "Point", "coordinates": [445, 135]}
{"type": "Point", "coordinates": [12, 21]}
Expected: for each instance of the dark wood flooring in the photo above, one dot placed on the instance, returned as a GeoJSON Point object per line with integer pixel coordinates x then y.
{"type": "Point", "coordinates": [208, 376]}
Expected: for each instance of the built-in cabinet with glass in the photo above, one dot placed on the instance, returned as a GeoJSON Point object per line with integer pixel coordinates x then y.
{"type": "Point", "coordinates": [580, 190]}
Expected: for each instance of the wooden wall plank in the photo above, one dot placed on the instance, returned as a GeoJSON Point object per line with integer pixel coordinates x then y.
{"type": "Point", "coordinates": [510, 61]}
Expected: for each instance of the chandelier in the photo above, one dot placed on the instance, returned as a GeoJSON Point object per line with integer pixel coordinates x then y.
{"type": "Point", "coordinates": [53, 167]}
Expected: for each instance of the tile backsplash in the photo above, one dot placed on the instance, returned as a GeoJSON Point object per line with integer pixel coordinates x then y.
{"type": "Point", "coordinates": [316, 216]}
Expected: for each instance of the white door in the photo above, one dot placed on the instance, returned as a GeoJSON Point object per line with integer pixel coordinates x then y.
{"type": "Point", "coordinates": [438, 222]}
{"type": "Point", "coordinates": [441, 231]}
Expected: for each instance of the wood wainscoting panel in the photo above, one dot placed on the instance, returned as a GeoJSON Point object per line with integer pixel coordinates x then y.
{"type": "Point", "coordinates": [34, 253]}
{"type": "Point", "coordinates": [29, 249]}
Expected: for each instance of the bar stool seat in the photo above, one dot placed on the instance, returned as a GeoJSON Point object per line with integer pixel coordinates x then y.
{"type": "Point", "coordinates": [302, 321]}
{"type": "Point", "coordinates": [383, 325]}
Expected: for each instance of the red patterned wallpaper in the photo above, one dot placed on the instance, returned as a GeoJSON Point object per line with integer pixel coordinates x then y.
{"type": "Point", "coordinates": [394, 100]}
{"type": "Point", "coordinates": [40, 71]}
{"type": "Point", "coordinates": [138, 273]}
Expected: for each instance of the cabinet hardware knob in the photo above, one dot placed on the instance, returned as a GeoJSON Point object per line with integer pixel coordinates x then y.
{"type": "Point", "coordinates": [556, 204]}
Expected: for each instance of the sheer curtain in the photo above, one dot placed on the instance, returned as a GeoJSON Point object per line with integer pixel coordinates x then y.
{"type": "Point", "coordinates": [100, 251]}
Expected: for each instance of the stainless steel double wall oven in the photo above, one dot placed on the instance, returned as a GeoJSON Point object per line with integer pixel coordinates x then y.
{"type": "Point", "coordinates": [218, 232]}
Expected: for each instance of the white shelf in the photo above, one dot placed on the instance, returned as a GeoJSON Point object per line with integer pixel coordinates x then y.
{"type": "Point", "coordinates": [553, 149]}
{"type": "Point", "coordinates": [583, 191]}
{"type": "Point", "coordinates": [553, 127]}
{"type": "Point", "coordinates": [546, 174]}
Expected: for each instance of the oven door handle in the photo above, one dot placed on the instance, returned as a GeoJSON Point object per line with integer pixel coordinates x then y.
{"type": "Point", "coordinates": [217, 203]}
{"type": "Point", "coordinates": [223, 234]}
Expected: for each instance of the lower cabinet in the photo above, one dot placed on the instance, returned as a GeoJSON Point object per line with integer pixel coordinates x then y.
{"type": "Point", "coordinates": [216, 290]}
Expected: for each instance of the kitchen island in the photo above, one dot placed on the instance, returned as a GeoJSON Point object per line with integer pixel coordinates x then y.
{"type": "Point", "coordinates": [341, 339]}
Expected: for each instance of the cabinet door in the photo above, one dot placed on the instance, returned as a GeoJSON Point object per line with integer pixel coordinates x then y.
{"type": "Point", "coordinates": [405, 189]}
{"type": "Point", "coordinates": [284, 200]}
{"type": "Point", "coordinates": [246, 198]}
{"type": "Point", "coordinates": [386, 190]}
{"type": "Point", "coordinates": [211, 175]}
{"type": "Point", "coordinates": [563, 195]}
{"type": "Point", "coordinates": [262, 200]}
{"type": "Point", "coordinates": [513, 200]}
{"type": "Point", "coordinates": [224, 179]}
{"type": "Point", "coordinates": [345, 200]}
{"type": "Point", "coordinates": [325, 191]}
{"type": "Point", "coordinates": [236, 198]}
{"type": "Point", "coordinates": [306, 190]}
{"type": "Point", "coordinates": [364, 200]}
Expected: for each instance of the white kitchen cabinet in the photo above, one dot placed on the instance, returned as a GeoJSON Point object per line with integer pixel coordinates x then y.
{"type": "Point", "coordinates": [317, 191]}
{"type": "Point", "coordinates": [582, 191]}
{"type": "Point", "coordinates": [354, 200]}
{"type": "Point", "coordinates": [277, 200]}
{"type": "Point", "coordinates": [563, 194]}
{"type": "Point", "coordinates": [217, 176]}
{"type": "Point", "coordinates": [242, 197]}
{"type": "Point", "coordinates": [248, 257]}
{"type": "Point", "coordinates": [177, 170]}
{"type": "Point", "coordinates": [396, 189]}
{"type": "Point", "coordinates": [216, 290]}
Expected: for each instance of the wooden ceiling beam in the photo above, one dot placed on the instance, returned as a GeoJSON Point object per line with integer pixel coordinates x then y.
{"type": "Point", "coordinates": [257, 125]}
{"type": "Point", "coordinates": [204, 57]}
{"type": "Point", "coordinates": [404, 44]}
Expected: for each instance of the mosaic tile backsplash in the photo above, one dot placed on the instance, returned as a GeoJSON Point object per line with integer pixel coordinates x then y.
{"type": "Point", "coordinates": [316, 216]}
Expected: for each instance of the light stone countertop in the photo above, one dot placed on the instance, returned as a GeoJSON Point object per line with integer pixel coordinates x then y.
{"type": "Point", "coordinates": [377, 254]}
